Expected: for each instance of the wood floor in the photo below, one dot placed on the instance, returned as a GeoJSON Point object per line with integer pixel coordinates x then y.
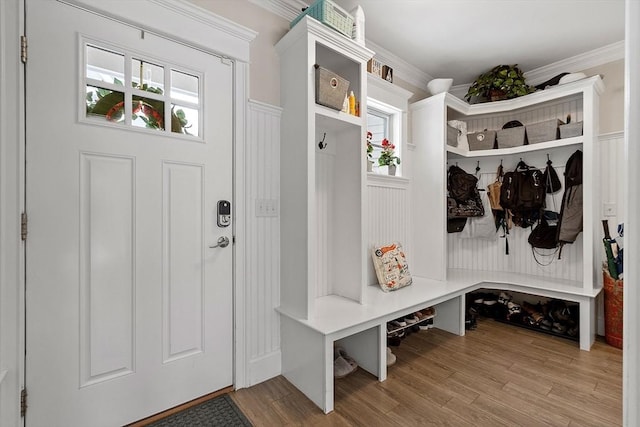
{"type": "Point", "coordinates": [497, 375]}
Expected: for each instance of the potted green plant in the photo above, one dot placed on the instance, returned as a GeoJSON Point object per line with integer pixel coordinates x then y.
{"type": "Point", "coordinates": [388, 157]}
{"type": "Point", "coordinates": [501, 82]}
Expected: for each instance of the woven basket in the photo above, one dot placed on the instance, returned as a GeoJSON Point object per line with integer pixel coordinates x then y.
{"type": "Point", "coordinates": [329, 14]}
{"type": "Point", "coordinates": [543, 131]}
{"type": "Point", "coordinates": [613, 302]}
{"type": "Point", "coordinates": [331, 89]}
{"type": "Point", "coordinates": [511, 137]}
{"type": "Point", "coordinates": [484, 140]}
{"type": "Point", "coordinates": [570, 130]}
{"type": "Point", "coordinates": [452, 136]}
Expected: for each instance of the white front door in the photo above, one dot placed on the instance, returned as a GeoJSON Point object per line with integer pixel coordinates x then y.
{"type": "Point", "coordinates": [128, 151]}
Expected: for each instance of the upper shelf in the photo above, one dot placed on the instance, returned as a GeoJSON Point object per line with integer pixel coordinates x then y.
{"type": "Point", "coordinates": [534, 99]}
{"type": "Point", "coordinates": [517, 150]}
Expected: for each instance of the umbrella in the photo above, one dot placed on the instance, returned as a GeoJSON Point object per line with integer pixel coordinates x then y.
{"type": "Point", "coordinates": [608, 241]}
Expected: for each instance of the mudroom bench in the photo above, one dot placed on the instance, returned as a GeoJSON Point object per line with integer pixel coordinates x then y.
{"type": "Point", "coordinates": [307, 344]}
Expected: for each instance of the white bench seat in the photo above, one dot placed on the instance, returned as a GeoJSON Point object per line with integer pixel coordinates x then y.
{"type": "Point", "coordinates": [307, 344]}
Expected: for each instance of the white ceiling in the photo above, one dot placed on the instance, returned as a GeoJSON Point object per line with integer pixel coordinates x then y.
{"type": "Point", "coordinates": [463, 38]}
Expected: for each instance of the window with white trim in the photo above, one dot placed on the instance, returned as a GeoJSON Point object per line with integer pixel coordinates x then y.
{"type": "Point", "coordinates": [383, 121]}
{"type": "Point", "coordinates": [122, 88]}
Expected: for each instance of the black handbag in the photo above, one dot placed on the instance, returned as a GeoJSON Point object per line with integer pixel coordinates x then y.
{"type": "Point", "coordinates": [544, 235]}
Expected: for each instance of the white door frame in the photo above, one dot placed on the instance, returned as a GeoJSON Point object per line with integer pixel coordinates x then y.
{"type": "Point", "coordinates": [169, 18]}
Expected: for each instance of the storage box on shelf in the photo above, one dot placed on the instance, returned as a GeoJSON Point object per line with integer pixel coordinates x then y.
{"type": "Point", "coordinates": [576, 276]}
{"type": "Point", "coordinates": [570, 130]}
{"type": "Point", "coordinates": [511, 137]}
{"type": "Point", "coordinates": [543, 131]}
{"type": "Point", "coordinates": [330, 14]}
{"type": "Point", "coordinates": [483, 140]}
{"type": "Point", "coordinates": [331, 89]}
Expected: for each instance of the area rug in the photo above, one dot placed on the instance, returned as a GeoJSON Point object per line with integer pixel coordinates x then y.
{"type": "Point", "coordinates": [221, 411]}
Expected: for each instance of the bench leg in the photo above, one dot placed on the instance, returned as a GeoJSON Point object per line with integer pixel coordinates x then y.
{"type": "Point", "coordinates": [450, 316]}
{"type": "Point", "coordinates": [307, 362]}
{"type": "Point", "coordinates": [587, 323]}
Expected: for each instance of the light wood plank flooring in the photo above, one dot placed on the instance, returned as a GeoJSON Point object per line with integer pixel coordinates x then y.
{"type": "Point", "coordinates": [496, 375]}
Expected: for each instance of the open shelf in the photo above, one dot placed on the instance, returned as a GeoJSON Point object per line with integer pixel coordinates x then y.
{"type": "Point", "coordinates": [516, 150]}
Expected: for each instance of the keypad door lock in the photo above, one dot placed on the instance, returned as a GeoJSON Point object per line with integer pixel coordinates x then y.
{"type": "Point", "coordinates": [224, 213]}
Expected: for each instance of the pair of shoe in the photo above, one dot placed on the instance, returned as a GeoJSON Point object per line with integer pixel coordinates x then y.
{"type": "Point", "coordinates": [391, 358]}
{"type": "Point", "coordinates": [504, 298]}
{"type": "Point", "coordinates": [425, 318]}
{"type": "Point", "coordinates": [343, 364]}
{"type": "Point", "coordinates": [513, 308]}
{"type": "Point", "coordinates": [395, 328]}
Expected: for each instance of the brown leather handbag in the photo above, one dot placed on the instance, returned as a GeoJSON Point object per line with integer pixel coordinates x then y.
{"type": "Point", "coordinates": [494, 190]}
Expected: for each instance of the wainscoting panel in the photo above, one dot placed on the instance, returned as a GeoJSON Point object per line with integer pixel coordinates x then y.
{"type": "Point", "coordinates": [262, 199]}
{"type": "Point", "coordinates": [613, 163]}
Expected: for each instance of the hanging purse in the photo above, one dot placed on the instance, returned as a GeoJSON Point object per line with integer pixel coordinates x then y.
{"type": "Point", "coordinates": [494, 190]}
{"type": "Point", "coordinates": [543, 236]}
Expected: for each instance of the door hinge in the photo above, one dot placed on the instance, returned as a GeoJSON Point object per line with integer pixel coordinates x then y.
{"type": "Point", "coordinates": [23, 226]}
{"type": "Point", "coordinates": [23, 49]}
{"type": "Point", "coordinates": [23, 402]}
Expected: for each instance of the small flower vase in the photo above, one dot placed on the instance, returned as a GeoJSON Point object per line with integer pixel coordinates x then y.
{"type": "Point", "coordinates": [392, 170]}
{"type": "Point", "coordinates": [369, 166]}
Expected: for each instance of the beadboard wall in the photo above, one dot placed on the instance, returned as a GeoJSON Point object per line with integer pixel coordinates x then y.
{"type": "Point", "coordinates": [262, 276]}
{"type": "Point", "coordinates": [387, 215]}
{"type": "Point", "coordinates": [534, 114]}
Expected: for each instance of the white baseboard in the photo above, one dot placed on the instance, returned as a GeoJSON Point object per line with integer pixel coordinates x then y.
{"type": "Point", "coordinates": [264, 368]}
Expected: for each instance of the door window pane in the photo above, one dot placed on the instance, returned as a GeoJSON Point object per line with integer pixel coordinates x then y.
{"type": "Point", "coordinates": [147, 113]}
{"type": "Point", "coordinates": [105, 103]}
{"type": "Point", "coordinates": [184, 120]}
{"type": "Point", "coordinates": [104, 65]}
{"type": "Point", "coordinates": [147, 76]}
{"type": "Point", "coordinates": [185, 87]}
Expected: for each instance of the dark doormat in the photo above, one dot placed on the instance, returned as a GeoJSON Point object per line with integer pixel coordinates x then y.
{"type": "Point", "coordinates": [221, 411]}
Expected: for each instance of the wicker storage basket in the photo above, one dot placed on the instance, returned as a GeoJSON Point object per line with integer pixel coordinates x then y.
{"type": "Point", "coordinates": [570, 130]}
{"type": "Point", "coordinates": [331, 89]}
{"type": "Point", "coordinates": [330, 14]}
{"type": "Point", "coordinates": [543, 131]}
{"type": "Point", "coordinates": [511, 137]}
{"type": "Point", "coordinates": [452, 136]}
{"type": "Point", "coordinates": [484, 140]}
{"type": "Point", "coordinates": [613, 314]}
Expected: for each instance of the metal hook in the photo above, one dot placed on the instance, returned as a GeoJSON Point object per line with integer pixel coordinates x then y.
{"type": "Point", "coordinates": [322, 145]}
{"type": "Point", "coordinates": [500, 162]}
{"type": "Point", "coordinates": [478, 167]}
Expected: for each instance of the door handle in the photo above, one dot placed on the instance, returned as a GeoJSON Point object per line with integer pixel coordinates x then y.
{"type": "Point", "coordinates": [223, 242]}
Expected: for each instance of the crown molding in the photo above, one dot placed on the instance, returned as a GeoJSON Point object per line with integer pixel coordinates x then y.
{"type": "Point", "coordinates": [287, 9]}
{"type": "Point", "coordinates": [290, 9]}
{"type": "Point", "coordinates": [401, 68]}
{"type": "Point", "coordinates": [593, 58]}
{"type": "Point", "coordinates": [207, 18]}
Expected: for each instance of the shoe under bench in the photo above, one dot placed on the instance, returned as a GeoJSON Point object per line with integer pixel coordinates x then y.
{"type": "Point", "coordinates": [361, 329]}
